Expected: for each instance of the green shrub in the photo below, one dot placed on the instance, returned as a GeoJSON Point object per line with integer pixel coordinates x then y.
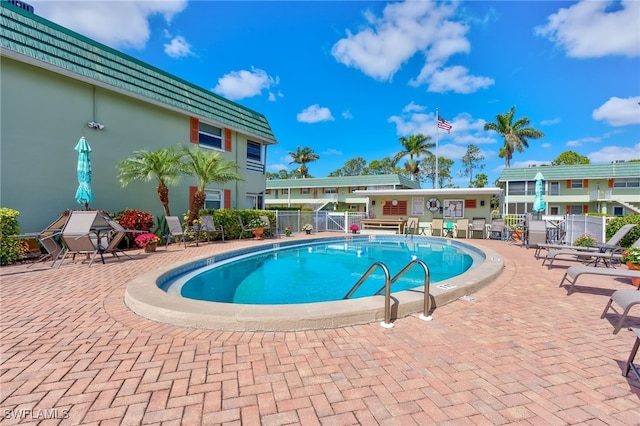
{"type": "Point", "coordinates": [9, 247]}
{"type": "Point", "coordinates": [617, 223]}
{"type": "Point", "coordinates": [228, 218]}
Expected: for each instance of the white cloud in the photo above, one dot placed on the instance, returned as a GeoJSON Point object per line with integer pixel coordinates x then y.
{"type": "Point", "coordinates": [612, 153]}
{"type": "Point", "coordinates": [278, 167]}
{"type": "Point", "coordinates": [405, 29]}
{"type": "Point", "coordinates": [119, 24]}
{"type": "Point", "coordinates": [178, 48]}
{"type": "Point", "coordinates": [588, 29]}
{"type": "Point", "coordinates": [331, 151]}
{"type": "Point", "coordinates": [582, 141]}
{"type": "Point", "coordinates": [244, 84]}
{"type": "Point", "coordinates": [466, 130]}
{"type": "Point", "coordinates": [619, 112]}
{"type": "Point", "coordinates": [550, 122]}
{"type": "Point", "coordinates": [412, 106]}
{"type": "Point", "coordinates": [314, 114]}
{"type": "Point", "coordinates": [347, 115]}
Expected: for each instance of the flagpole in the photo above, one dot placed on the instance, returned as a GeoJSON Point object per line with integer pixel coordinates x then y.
{"type": "Point", "coordinates": [435, 183]}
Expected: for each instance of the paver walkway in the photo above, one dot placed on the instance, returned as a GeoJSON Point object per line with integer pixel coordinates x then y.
{"type": "Point", "coordinates": [520, 352]}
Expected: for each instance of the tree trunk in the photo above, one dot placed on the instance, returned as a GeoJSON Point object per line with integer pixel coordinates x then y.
{"type": "Point", "coordinates": [163, 193]}
{"type": "Point", "coordinates": [196, 205]}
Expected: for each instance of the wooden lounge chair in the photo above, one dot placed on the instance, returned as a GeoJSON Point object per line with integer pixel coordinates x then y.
{"type": "Point", "coordinates": [572, 274]}
{"type": "Point", "coordinates": [625, 299]}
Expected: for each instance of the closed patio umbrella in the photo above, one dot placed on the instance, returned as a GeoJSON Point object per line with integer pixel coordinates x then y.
{"type": "Point", "coordinates": [538, 203]}
{"type": "Point", "coordinates": [84, 194]}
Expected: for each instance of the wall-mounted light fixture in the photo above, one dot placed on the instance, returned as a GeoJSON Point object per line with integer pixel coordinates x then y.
{"type": "Point", "coordinates": [95, 125]}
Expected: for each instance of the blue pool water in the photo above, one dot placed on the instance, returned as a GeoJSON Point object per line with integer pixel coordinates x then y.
{"type": "Point", "coordinates": [319, 272]}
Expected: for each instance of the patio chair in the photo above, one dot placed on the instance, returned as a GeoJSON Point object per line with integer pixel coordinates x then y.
{"type": "Point", "coordinates": [497, 231]}
{"type": "Point", "coordinates": [437, 226]}
{"type": "Point", "coordinates": [412, 226]}
{"type": "Point", "coordinates": [461, 227]}
{"type": "Point", "coordinates": [48, 240]}
{"type": "Point", "coordinates": [536, 233]}
{"type": "Point", "coordinates": [271, 230]}
{"type": "Point", "coordinates": [176, 233]}
{"type": "Point", "coordinates": [244, 228]}
{"type": "Point", "coordinates": [478, 225]}
{"type": "Point", "coordinates": [605, 252]}
{"type": "Point", "coordinates": [209, 227]}
{"type": "Point", "coordinates": [78, 237]}
{"type": "Point", "coordinates": [625, 299]}
{"type": "Point", "coordinates": [116, 236]}
{"type": "Point", "coordinates": [613, 241]}
{"type": "Point", "coordinates": [572, 274]}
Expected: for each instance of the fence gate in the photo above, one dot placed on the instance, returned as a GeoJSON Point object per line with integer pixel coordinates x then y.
{"type": "Point", "coordinates": [336, 222]}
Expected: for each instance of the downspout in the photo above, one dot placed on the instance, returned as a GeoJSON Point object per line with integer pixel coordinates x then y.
{"type": "Point", "coordinates": [245, 168]}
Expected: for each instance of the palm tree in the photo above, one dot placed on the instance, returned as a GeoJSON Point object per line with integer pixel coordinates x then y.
{"type": "Point", "coordinates": [515, 134]}
{"type": "Point", "coordinates": [206, 166]}
{"type": "Point", "coordinates": [303, 156]}
{"type": "Point", "coordinates": [414, 146]}
{"type": "Point", "coordinates": [163, 165]}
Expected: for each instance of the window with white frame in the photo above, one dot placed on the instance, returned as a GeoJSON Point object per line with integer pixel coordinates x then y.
{"type": "Point", "coordinates": [254, 201]}
{"type": "Point", "coordinates": [576, 184]}
{"type": "Point", "coordinates": [626, 183]}
{"type": "Point", "coordinates": [330, 191]}
{"type": "Point", "coordinates": [554, 188]}
{"type": "Point", "coordinates": [209, 136]}
{"type": "Point", "coordinates": [516, 188]}
{"type": "Point", "coordinates": [213, 199]}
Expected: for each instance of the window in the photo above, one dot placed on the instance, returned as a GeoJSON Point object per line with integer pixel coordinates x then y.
{"type": "Point", "coordinates": [576, 184]}
{"type": "Point", "coordinates": [516, 188]}
{"type": "Point", "coordinates": [330, 191]}
{"type": "Point", "coordinates": [397, 208]}
{"type": "Point", "coordinates": [254, 151]}
{"type": "Point", "coordinates": [626, 183]}
{"type": "Point", "coordinates": [554, 210]}
{"type": "Point", "coordinates": [254, 201]}
{"type": "Point", "coordinates": [305, 191]}
{"type": "Point", "coordinates": [618, 211]}
{"type": "Point", "coordinates": [284, 191]}
{"type": "Point", "coordinates": [576, 209]}
{"type": "Point", "coordinates": [213, 199]}
{"type": "Point", "coordinates": [554, 188]}
{"type": "Point", "coordinates": [209, 136]}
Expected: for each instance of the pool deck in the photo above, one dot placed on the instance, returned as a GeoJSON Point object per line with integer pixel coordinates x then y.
{"type": "Point", "coordinates": [520, 351]}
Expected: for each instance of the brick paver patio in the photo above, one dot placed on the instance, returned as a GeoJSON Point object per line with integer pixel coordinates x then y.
{"type": "Point", "coordinates": [520, 352]}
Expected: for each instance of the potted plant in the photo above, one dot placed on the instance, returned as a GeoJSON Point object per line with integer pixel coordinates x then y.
{"type": "Point", "coordinates": [196, 225]}
{"type": "Point", "coordinates": [287, 231]}
{"type": "Point", "coordinates": [631, 257]}
{"type": "Point", "coordinates": [258, 227]}
{"type": "Point", "coordinates": [354, 228]}
{"type": "Point", "coordinates": [307, 227]}
{"type": "Point", "coordinates": [148, 241]}
{"type": "Point", "coordinates": [585, 240]}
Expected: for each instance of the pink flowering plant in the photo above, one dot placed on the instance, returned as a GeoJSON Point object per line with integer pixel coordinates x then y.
{"type": "Point", "coordinates": [147, 238]}
{"type": "Point", "coordinates": [631, 255]}
{"type": "Point", "coordinates": [354, 227]}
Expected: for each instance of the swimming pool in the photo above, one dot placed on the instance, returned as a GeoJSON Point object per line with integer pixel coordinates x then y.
{"type": "Point", "coordinates": [144, 294]}
{"type": "Point", "coordinates": [319, 272]}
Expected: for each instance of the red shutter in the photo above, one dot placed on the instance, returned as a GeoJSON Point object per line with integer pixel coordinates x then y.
{"type": "Point", "coordinates": [585, 209]}
{"type": "Point", "coordinates": [227, 198]}
{"type": "Point", "coordinates": [585, 183]}
{"type": "Point", "coordinates": [227, 140]}
{"type": "Point", "coordinates": [568, 183]}
{"type": "Point", "coordinates": [568, 209]}
{"type": "Point", "coordinates": [194, 130]}
{"type": "Point", "coordinates": [610, 183]}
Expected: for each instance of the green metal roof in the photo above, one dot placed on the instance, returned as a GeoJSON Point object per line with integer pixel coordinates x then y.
{"type": "Point", "coordinates": [342, 181]}
{"type": "Point", "coordinates": [583, 171]}
{"type": "Point", "coordinates": [35, 38]}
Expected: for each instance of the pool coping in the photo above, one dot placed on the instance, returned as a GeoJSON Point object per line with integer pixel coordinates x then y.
{"type": "Point", "coordinates": [144, 297]}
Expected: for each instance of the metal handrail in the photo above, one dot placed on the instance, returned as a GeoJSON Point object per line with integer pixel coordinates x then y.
{"type": "Point", "coordinates": [387, 288]}
{"type": "Point", "coordinates": [357, 285]}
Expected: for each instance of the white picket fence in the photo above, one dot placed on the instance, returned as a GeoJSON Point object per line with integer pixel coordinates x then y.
{"type": "Point", "coordinates": [321, 220]}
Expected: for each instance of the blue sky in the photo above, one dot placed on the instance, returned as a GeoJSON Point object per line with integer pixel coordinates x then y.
{"type": "Point", "coordinates": [349, 78]}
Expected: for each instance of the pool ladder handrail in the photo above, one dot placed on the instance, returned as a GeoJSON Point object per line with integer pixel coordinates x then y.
{"type": "Point", "coordinates": [388, 281]}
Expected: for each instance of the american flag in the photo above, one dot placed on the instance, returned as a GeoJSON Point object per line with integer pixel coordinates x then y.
{"type": "Point", "coordinates": [444, 124]}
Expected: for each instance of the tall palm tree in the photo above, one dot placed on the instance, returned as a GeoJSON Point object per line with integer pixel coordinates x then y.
{"type": "Point", "coordinates": [163, 165]}
{"type": "Point", "coordinates": [515, 134]}
{"type": "Point", "coordinates": [414, 146]}
{"type": "Point", "coordinates": [303, 156]}
{"type": "Point", "coordinates": [206, 166]}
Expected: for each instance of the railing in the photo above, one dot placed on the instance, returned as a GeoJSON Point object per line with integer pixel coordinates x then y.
{"type": "Point", "coordinates": [321, 220]}
{"type": "Point", "coordinates": [387, 288]}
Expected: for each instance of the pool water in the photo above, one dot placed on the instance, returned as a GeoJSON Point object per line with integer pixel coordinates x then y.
{"type": "Point", "coordinates": [319, 272]}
